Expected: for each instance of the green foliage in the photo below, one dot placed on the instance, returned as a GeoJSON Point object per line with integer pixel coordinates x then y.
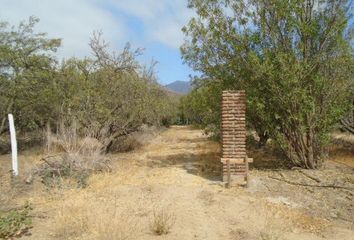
{"type": "Point", "coordinates": [293, 58]}
{"type": "Point", "coordinates": [110, 94]}
{"type": "Point", "coordinates": [26, 74]}
{"type": "Point", "coordinates": [201, 107]}
{"type": "Point", "coordinates": [16, 222]}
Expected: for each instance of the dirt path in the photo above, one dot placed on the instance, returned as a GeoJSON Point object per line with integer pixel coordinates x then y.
{"type": "Point", "coordinates": [177, 174]}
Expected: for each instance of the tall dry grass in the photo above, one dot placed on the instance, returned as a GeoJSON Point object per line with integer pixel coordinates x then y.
{"type": "Point", "coordinates": [162, 221]}
{"type": "Point", "coordinates": [70, 154]}
{"type": "Point", "coordinates": [99, 220]}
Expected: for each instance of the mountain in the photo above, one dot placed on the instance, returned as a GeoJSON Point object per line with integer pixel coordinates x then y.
{"type": "Point", "coordinates": [181, 87]}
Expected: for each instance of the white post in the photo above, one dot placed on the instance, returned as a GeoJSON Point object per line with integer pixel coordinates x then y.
{"type": "Point", "coordinates": [13, 145]}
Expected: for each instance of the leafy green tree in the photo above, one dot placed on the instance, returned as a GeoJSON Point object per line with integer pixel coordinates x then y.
{"type": "Point", "coordinates": [26, 75]}
{"type": "Point", "coordinates": [108, 95]}
{"type": "Point", "coordinates": [111, 95]}
{"type": "Point", "coordinates": [294, 58]}
{"type": "Point", "coordinates": [199, 107]}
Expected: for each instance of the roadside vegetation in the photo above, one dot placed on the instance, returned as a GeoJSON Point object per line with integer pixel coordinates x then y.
{"type": "Point", "coordinates": [99, 160]}
{"type": "Point", "coordinates": [15, 222]}
{"type": "Point", "coordinates": [108, 95]}
{"type": "Point", "coordinates": [78, 108]}
{"type": "Point", "coordinates": [293, 58]}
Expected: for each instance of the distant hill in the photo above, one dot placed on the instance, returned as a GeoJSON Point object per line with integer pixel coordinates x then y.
{"type": "Point", "coordinates": [181, 87]}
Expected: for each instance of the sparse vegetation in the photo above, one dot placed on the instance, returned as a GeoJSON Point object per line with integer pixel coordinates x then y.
{"type": "Point", "coordinates": [125, 201]}
{"type": "Point", "coordinates": [16, 222]}
{"type": "Point", "coordinates": [110, 94]}
{"type": "Point", "coordinates": [71, 155]}
{"type": "Point", "coordinates": [98, 219]}
{"type": "Point", "coordinates": [101, 159]}
{"type": "Point", "coordinates": [162, 221]}
{"type": "Point", "coordinates": [272, 230]}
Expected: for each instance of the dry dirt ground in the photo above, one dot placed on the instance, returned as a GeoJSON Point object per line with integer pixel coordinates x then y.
{"type": "Point", "coordinates": [177, 176]}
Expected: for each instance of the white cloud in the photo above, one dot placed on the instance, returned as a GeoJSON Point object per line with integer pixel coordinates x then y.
{"type": "Point", "coordinates": [162, 19]}
{"type": "Point", "coordinates": [72, 20]}
{"type": "Point", "coordinates": [75, 20]}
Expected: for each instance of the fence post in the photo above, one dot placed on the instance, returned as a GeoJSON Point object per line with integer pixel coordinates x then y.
{"type": "Point", "coordinates": [13, 145]}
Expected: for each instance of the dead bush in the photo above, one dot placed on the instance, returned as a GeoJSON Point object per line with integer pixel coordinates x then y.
{"type": "Point", "coordinates": [126, 144]}
{"type": "Point", "coordinates": [162, 222]}
{"type": "Point", "coordinates": [136, 139]}
{"type": "Point", "coordinates": [75, 156]}
{"type": "Point", "coordinates": [344, 140]}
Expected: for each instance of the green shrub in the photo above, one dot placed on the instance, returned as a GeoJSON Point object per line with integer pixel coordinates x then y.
{"type": "Point", "coordinates": [16, 222]}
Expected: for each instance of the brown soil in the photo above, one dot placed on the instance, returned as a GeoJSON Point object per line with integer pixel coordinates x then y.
{"type": "Point", "coordinates": [178, 173]}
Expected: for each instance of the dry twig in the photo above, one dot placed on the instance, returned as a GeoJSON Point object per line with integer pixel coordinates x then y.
{"type": "Point", "coordinates": [311, 185]}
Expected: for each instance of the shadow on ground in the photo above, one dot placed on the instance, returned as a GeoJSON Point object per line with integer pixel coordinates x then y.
{"type": "Point", "coordinates": [206, 165]}
{"type": "Point", "coordinates": [268, 159]}
{"type": "Point", "coordinates": [193, 140]}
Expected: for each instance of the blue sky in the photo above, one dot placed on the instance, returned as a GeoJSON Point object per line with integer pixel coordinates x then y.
{"type": "Point", "coordinates": [154, 25]}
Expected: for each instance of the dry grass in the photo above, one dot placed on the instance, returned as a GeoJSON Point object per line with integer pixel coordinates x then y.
{"type": "Point", "coordinates": [127, 144]}
{"type": "Point", "coordinates": [342, 148]}
{"type": "Point", "coordinates": [240, 234]}
{"type": "Point", "coordinates": [136, 140]}
{"type": "Point", "coordinates": [116, 227]}
{"type": "Point", "coordinates": [162, 221]}
{"type": "Point", "coordinates": [207, 197]}
{"type": "Point", "coordinates": [72, 155]}
{"type": "Point", "coordinates": [130, 201]}
{"type": "Point", "coordinates": [71, 221]}
{"type": "Point", "coordinates": [279, 219]}
{"type": "Point", "coordinates": [99, 220]}
{"type": "Point", "coordinates": [346, 137]}
{"type": "Point", "coordinates": [273, 226]}
{"type": "Point", "coordinates": [13, 191]}
{"type": "Point", "coordinates": [69, 140]}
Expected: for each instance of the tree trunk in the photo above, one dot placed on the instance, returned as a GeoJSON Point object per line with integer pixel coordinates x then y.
{"type": "Point", "coordinates": [301, 148]}
{"type": "Point", "coordinates": [3, 121]}
{"type": "Point", "coordinates": [2, 126]}
{"type": "Point", "coordinates": [263, 138]}
{"type": "Point", "coordinates": [108, 141]}
{"type": "Point", "coordinates": [310, 153]}
{"type": "Point", "coordinates": [348, 122]}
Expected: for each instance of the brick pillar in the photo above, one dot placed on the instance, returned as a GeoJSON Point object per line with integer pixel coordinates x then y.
{"type": "Point", "coordinates": [233, 129]}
